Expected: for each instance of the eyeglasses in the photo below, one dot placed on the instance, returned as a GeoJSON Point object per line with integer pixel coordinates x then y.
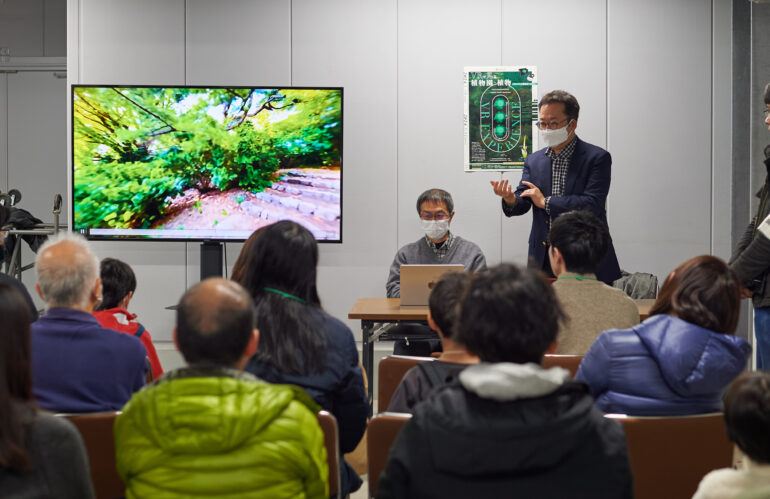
{"type": "Point", "coordinates": [550, 125]}
{"type": "Point", "coordinates": [434, 216]}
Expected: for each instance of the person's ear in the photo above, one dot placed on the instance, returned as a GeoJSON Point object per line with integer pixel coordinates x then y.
{"type": "Point", "coordinates": [551, 348]}
{"type": "Point", "coordinates": [39, 291]}
{"type": "Point", "coordinates": [571, 126]}
{"type": "Point", "coordinates": [251, 348]}
{"type": "Point", "coordinates": [175, 334]}
{"type": "Point", "coordinates": [96, 294]}
{"type": "Point", "coordinates": [451, 216]}
{"type": "Point", "coordinates": [431, 323]}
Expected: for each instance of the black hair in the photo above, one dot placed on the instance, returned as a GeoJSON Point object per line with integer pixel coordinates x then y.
{"type": "Point", "coordinates": [15, 377]}
{"type": "Point", "coordinates": [216, 332]}
{"type": "Point", "coordinates": [571, 106]}
{"type": "Point", "coordinates": [583, 240]}
{"type": "Point", "coordinates": [509, 314]}
{"type": "Point", "coordinates": [277, 266]}
{"type": "Point", "coordinates": [444, 302]}
{"type": "Point", "coordinates": [118, 279]}
{"type": "Point", "coordinates": [436, 196]}
{"type": "Point", "coordinates": [767, 94]}
{"type": "Point", "coordinates": [747, 414]}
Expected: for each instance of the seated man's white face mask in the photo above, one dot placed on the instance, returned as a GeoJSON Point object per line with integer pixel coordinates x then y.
{"type": "Point", "coordinates": [435, 229]}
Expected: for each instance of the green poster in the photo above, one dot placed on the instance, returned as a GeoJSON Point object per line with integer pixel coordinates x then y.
{"type": "Point", "coordinates": [500, 116]}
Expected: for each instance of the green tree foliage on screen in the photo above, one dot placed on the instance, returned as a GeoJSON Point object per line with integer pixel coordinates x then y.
{"type": "Point", "coordinates": [136, 147]}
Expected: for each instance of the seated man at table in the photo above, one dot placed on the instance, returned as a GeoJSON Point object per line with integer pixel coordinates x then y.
{"type": "Point", "coordinates": [212, 430]}
{"type": "Point", "coordinates": [439, 246]}
{"type": "Point", "coordinates": [422, 379]}
{"type": "Point", "coordinates": [578, 243]}
{"type": "Point", "coordinates": [509, 428]}
{"type": "Point", "coordinates": [78, 365]}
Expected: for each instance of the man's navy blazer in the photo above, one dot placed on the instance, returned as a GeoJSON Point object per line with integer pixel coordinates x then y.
{"type": "Point", "coordinates": [585, 188]}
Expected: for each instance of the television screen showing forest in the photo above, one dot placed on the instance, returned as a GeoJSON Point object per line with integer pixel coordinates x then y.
{"type": "Point", "coordinates": [205, 163]}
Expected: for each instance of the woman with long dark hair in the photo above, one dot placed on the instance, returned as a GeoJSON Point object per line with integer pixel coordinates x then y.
{"type": "Point", "coordinates": [40, 455]}
{"type": "Point", "coordinates": [682, 357]}
{"type": "Point", "coordinates": [300, 344]}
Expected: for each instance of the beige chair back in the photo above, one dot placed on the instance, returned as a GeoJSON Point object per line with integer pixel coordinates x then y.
{"type": "Point", "coordinates": [97, 432]}
{"type": "Point", "coordinates": [381, 433]}
{"type": "Point", "coordinates": [390, 374]}
{"type": "Point", "coordinates": [568, 362]}
{"type": "Point", "coordinates": [328, 424]}
{"type": "Point", "coordinates": [670, 455]}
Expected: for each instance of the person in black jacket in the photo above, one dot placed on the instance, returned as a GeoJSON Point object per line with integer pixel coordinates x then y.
{"type": "Point", "coordinates": [751, 260]}
{"type": "Point", "coordinates": [299, 343]}
{"type": "Point", "coordinates": [509, 428]}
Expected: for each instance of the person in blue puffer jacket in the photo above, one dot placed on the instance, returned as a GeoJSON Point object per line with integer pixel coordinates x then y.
{"type": "Point", "coordinates": [679, 360]}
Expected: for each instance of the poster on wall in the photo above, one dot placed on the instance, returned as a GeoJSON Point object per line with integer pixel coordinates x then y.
{"type": "Point", "coordinates": [500, 117]}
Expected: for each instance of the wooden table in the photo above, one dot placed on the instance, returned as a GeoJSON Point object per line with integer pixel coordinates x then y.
{"type": "Point", "coordinates": [373, 311]}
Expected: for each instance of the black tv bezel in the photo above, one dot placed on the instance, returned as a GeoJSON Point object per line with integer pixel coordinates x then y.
{"type": "Point", "coordinates": [196, 239]}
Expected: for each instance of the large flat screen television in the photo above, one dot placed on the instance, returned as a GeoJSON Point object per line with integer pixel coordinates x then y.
{"type": "Point", "coordinates": [205, 163]}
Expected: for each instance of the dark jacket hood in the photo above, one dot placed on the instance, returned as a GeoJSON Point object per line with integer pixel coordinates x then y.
{"type": "Point", "coordinates": [692, 360]}
{"type": "Point", "coordinates": [545, 419]}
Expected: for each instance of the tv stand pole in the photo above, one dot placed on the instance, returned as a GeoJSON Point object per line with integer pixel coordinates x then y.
{"type": "Point", "coordinates": [211, 259]}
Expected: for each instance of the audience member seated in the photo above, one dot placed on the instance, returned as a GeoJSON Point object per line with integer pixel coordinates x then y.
{"type": "Point", "coordinates": [419, 381]}
{"type": "Point", "coordinates": [300, 343]}
{"type": "Point", "coordinates": [5, 278]}
{"type": "Point", "coordinates": [747, 417]}
{"type": "Point", "coordinates": [509, 428]}
{"type": "Point", "coordinates": [679, 360]}
{"type": "Point", "coordinates": [211, 430]}
{"type": "Point", "coordinates": [78, 365]}
{"type": "Point", "coordinates": [118, 287]}
{"type": "Point", "coordinates": [578, 243]}
{"type": "Point", "coordinates": [40, 455]}
{"type": "Point", "coordinates": [439, 246]}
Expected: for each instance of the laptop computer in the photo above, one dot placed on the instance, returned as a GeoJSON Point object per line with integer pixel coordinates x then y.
{"type": "Point", "coordinates": [418, 280]}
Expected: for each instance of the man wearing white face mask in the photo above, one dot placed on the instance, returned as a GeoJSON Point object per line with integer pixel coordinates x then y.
{"type": "Point", "coordinates": [439, 245]}
{"type": "Point", "coordinates": [568, 174]}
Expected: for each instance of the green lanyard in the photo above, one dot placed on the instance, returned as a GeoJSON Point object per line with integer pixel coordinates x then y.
{"type": "Point", "coordinates": [578, 277]}
{"type": "Point", "coordinates": [284, 294]}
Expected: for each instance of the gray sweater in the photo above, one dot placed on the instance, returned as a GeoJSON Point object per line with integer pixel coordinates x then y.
{"type": "Point", "coordinates": [59, 461]}
{"type": "Point", "coordinates": [420, 253]}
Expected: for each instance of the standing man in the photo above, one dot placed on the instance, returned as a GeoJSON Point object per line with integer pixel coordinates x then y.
{"type": "Point", "coordinates": [751, 260]}
{"type": "Point", "coordinates": [568, 174]}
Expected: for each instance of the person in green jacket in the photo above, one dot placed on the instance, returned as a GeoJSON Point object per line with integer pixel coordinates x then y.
{"type": "Point", "coordinates": [211, 430]}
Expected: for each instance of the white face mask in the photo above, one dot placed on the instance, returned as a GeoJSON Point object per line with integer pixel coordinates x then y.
{"type": "Point", "coordinates": [435, 229]}
{"type": "Point", "coordinates": [552, 138]}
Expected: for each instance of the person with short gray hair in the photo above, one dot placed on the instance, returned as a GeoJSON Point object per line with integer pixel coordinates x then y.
{"type": "Point", "coordinates": [77, 365]}
{"type": "Point", "coordinates": [435, 208]}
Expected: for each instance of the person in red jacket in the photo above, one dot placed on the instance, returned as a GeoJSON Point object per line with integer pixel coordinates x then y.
{"type": "Point", "coordinates": [118, 286]}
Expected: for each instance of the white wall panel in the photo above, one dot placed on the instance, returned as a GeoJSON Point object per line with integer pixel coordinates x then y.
{"type": "Point", "coordinates": [567, 43]}
{"type": "Point", "coordinates": [435, 43]}
{"type": "Point", "coordinates": [238, 42]}
{"type": "Point", "coordinates": [37, 147]}
{"type": "Point", "coordinates": [21, 27]}
{"type": "Point", "coordinates": [54, 28]}
{"type": "Point", "coordinates": [660, 132]}
{"type": "Point", "coordinates": [721, 147]}
{"type": "Point", "coordinates": [132, 42]}
{"type": "Point", "coordinates": [3, 132]}
{"type": "Point", "coordinates": [352, 44]}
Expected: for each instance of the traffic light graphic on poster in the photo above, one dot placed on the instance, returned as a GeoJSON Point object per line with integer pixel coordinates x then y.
{"type": "Point", "coordinates": [501, 109]}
